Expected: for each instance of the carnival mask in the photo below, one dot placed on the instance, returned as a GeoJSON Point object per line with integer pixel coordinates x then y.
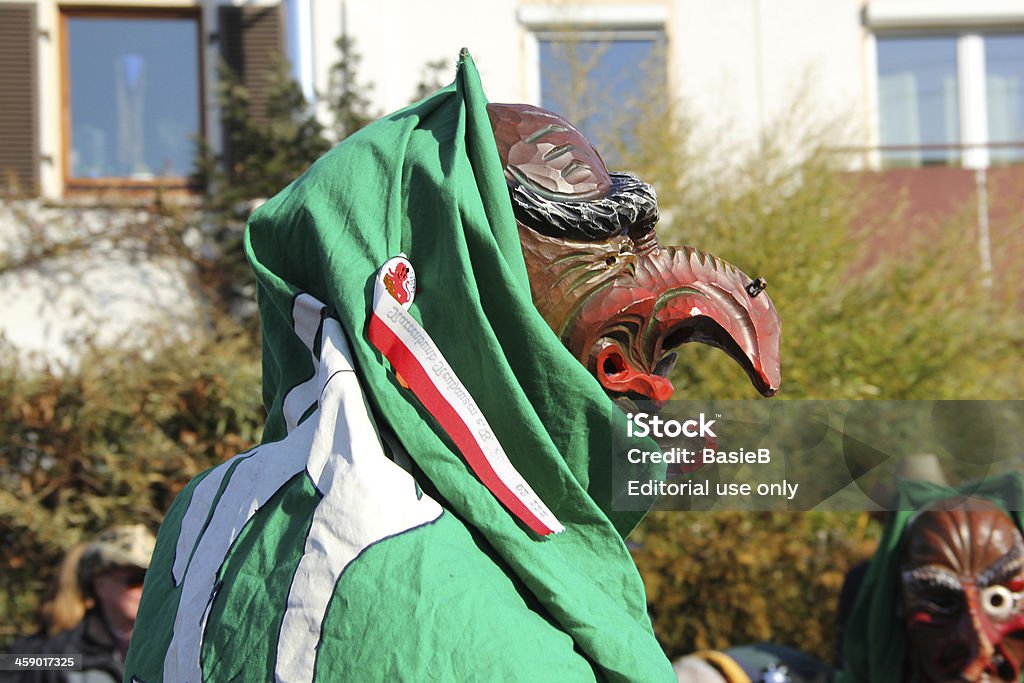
{"type": "Point", "coordinates": [962, 574]}
{"type": "Point", "coordinates": [618, 299]}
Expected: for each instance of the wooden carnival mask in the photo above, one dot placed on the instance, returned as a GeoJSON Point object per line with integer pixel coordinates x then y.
{"type": "Point", "coordinates": [962, 577]}
{"type": "Point", "coordinates": [618, 299]}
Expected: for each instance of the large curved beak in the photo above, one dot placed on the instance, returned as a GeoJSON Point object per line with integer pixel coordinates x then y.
{"type": "Point", "coordinates": [726, 309]}
{"type": "Point", "coordinates": [675, 296]}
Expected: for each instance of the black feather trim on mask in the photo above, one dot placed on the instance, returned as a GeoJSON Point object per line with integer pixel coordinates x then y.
{"type": "Point", "coordinates": [631, 206]}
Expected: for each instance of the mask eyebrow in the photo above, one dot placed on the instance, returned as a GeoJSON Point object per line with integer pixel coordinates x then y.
{"type": "Point", "coordinates": [1006, 567]}
{"type": "Point", "coordinates": [931, 577]}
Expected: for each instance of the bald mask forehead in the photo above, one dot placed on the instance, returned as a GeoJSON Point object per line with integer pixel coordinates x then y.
{"type": "Point", "coordinates": [972, 540]}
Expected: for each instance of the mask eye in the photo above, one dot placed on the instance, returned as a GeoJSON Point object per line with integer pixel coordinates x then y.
{"type": "Point", "coordinates": [942, 602]}
{"type": "Point", "coordinates": [998, 601]}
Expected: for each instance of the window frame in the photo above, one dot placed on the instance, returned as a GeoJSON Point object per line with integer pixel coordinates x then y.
{"type": "Point", "coordinates": [887, 19]}
{"type": "Point", "coordinates": [656, 38]}
{"type": "Point", "coordinates": [74, 184]}
{"type": "Point", "coordinates": [575, 21]}
{"type": "Point", "coordinates": [959, 148]}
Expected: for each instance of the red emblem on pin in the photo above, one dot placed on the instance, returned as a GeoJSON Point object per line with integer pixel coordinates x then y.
{"type": "Point", "coordinates": [399, 280]}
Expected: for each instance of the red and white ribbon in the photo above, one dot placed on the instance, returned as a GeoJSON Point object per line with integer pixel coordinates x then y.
{"type": "Point", "coordinates": [414, 356]}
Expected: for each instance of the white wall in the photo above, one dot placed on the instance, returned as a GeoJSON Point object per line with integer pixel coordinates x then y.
{"type": "Point", "coordinates": [99, 291]}
{"type": "Point", "coordinates": [743, 64]}
{"type": "Point", "coordinates": [396, 38]}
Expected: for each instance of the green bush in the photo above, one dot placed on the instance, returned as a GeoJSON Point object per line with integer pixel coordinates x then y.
{"type": "Point", "coordinates": [728, 578]}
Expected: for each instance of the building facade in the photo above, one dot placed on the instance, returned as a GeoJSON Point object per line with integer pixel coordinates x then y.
{"type": "Point", "coordinates": [114, 93]}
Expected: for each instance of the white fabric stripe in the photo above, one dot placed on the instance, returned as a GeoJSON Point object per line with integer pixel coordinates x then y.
{"type": "Point", "coordinates": [306, 315]}
{"type": "Point", "coordinates": [367, 498]}
{"type": "Point", "coordinates": [197, 513]}
{"type": "Point", "coordinates": [306, 318]}
{"type": "Point", "coordinates": [299, 400]}
{"type": "Point", "coordinates": [441, 375]}
{"type": "Point", "coordinates": [335, 357]}
{"type": "Point", "coordinates": [252, 483]}
{"type": "Point", "coordinates": [261, 473]}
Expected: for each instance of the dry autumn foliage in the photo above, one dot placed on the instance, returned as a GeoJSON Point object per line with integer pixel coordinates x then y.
{"type": "Point", "coordinates": [110, 443]}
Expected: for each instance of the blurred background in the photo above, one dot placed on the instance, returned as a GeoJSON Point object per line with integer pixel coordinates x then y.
{"type": "Point", "coordinates": [865, 156]}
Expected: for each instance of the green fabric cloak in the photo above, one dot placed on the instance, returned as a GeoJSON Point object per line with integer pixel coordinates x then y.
{"type": "Point", "coordinates": [466, 592]}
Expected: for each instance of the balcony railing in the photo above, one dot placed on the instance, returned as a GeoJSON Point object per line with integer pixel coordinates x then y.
{"type": "Point", "coordinates": [958, 155]}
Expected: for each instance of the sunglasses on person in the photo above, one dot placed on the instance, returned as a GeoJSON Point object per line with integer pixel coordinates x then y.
{"type": "Point", "coordinates": [129, 577]}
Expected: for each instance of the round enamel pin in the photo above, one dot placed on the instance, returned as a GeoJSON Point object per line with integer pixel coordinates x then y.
{"type": "Point", "coordinates": [398, 279]}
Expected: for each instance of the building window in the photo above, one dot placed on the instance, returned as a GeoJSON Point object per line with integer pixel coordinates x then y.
{"type": "Point", "coordinates": [919, 117]}
{"type": "Point", "coordinates": [1004, 86]}
{"type": "Point", "coordinates": [601, 81]}
{"type": "Point", "coordinates": [132, 95]}
{"type": "Point", "coordinates": [954, 99]}
{"type": "Point", "coordinates": [601, 66]}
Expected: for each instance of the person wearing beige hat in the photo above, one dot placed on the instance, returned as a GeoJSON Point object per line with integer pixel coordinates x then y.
{"type": "Point", "coordinates": [110, 576]}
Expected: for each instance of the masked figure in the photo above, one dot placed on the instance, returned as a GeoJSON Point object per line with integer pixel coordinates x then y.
{"type": "Point", "coordinates": [962, 584]}
{"type": "Point", "coordinates": [942, 599]}
{"type": "Point", "coordinates": [432, 499]}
